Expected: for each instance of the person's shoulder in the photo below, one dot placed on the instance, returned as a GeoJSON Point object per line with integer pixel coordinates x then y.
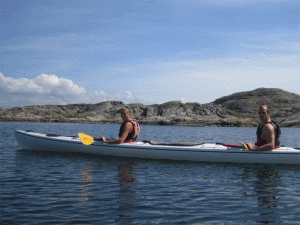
{"type": "Point", "coordinates": [269, 126]}
{"type": "Point", "coordinates": [128, 123]}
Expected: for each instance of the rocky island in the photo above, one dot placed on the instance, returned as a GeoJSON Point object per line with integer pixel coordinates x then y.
{"type": "Point", "coordinates": [236, 110]}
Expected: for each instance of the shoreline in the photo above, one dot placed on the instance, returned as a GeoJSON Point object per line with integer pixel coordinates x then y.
{"type": "Point", "coordinates": [158, 123]}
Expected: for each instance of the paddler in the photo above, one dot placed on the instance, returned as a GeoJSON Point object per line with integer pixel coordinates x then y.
{"type": "Point", "coordinates": [129, 130]}
{"type": "Point", "coordinates": [268, 133]}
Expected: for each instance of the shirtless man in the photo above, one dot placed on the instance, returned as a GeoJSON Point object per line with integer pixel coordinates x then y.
{"type": "Point", "coordinates": [266, 133]}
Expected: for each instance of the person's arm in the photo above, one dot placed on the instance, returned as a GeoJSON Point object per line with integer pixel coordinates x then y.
{"type": "Point", "coordinates": [267, 134]}
{"type": "Point", "coordinates": [127, 129]}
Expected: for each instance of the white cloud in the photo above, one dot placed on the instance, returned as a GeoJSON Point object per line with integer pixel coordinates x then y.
{"type": "Point", "coordinates": [40, 85]}
{"type": "Point", "coordinates": [22, 85]}
{"type": "Point", "coordinates": [50, 89]}
{"type": "Point", "coordinates": [62, 86]}
{"type": "Point", "coordinates": [129, 95]}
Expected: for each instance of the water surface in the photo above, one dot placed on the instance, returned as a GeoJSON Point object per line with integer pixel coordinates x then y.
{"type": "Point", "coordinates": [52, 188]}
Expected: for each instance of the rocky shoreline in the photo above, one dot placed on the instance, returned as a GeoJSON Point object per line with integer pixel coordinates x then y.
{"type": "Point", "coordinates": [236, 110]}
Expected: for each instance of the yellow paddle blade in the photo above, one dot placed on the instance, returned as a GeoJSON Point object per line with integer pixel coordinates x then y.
{"type": "Point", "coordinates": [245, 146]}
{"type": "Point", "coordinates": [86, 139]}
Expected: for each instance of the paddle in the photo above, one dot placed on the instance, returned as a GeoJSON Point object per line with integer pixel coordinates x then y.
{"type": "Point", "coordinates": [234, 146]}
{"type": "Point", "coordinates": [86, 139]}
{"type": "Point", "coordinates": [245, 145]}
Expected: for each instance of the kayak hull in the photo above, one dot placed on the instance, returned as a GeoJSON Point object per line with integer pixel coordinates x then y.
{"type": "Point", "coordinates": [202, 152]}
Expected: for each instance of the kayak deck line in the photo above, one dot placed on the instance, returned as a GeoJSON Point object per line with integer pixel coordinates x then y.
{"type": "Point", "coordinates": [199, 152]}
{"type": "Point", "coordinates": [174, 144]}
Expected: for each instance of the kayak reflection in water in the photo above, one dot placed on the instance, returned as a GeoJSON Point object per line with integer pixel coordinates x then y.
{"type": "Point", "coordinates": [268, 134]}
{"type": "Point", "coordinates": [129, 130]}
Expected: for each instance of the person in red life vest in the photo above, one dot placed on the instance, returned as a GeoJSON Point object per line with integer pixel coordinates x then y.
{"type": "Point", "coordinates": [129, 130]}
{"type": "Point", "coordinates": [268, 134]}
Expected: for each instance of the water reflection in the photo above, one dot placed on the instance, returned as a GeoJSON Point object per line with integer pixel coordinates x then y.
{"type": "Point", "coordinates": [265, 183]}
{"type": "Point", "coordinates": [127, 180]}
{"type": "Point", "coordinates": [266, 188]}
{"type": "Point", "coordinates": [85, 184]}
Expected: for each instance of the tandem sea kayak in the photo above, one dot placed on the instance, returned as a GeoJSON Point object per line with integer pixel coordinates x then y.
{"type": "Point", "coordinates": [201, 152]}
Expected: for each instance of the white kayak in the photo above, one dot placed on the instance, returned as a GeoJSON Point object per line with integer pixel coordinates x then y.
{"type": "Point", "coordinates": [194, 152]}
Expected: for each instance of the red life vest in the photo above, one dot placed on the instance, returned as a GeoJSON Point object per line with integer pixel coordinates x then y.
{"type": "Point", "coordinates": [261, 141]}
{"type": "Point", "coordinates": [133, 135]}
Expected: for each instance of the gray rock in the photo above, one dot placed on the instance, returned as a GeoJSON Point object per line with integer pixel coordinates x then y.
{"type": "Point", "coordinates": [238, 110]}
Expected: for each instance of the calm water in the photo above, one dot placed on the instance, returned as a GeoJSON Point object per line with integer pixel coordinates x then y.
{"type": "Point", "coordinates": [52, 188]}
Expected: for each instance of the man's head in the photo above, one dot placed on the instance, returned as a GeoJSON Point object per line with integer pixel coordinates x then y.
{"type": "Point", "coordinates": [264, 113]}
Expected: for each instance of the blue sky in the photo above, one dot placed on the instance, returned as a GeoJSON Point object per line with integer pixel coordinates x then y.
{"type": "Point", "coordinates": [140, 51]}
